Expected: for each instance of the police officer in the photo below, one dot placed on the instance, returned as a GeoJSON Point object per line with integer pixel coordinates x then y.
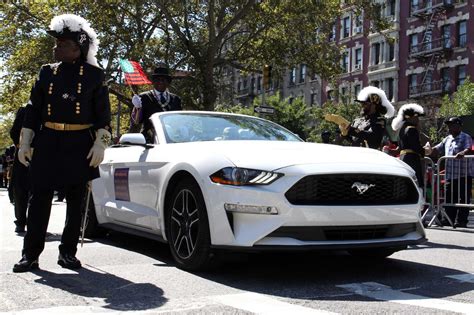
{"type": "Point", "coordinates": [157, 100]}
{"type": "Point", "coordinates": [411, 151]}
{"type": "Point", "coordinates": [68, 120]}
{"type": "Point", "coordinates": [369, 129]}
{"type": "Point", "coordinates": [19, 179]}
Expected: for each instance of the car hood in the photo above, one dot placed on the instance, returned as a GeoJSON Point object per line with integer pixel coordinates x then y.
{"type": "Point", "coordinates": [273, 155]}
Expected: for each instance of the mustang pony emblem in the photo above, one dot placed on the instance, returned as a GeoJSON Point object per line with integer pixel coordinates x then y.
{"type": "Point", "coordinates": [362, 188]}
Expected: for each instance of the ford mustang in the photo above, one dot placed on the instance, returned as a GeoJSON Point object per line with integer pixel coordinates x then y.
{"type": "Point", "coordinates": [217, 181]}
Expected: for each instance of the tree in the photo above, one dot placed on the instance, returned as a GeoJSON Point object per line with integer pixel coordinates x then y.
{"type": "Point", "coordinates": [203, 37]}
{"type": "Point", "coordinates": [460, 103]}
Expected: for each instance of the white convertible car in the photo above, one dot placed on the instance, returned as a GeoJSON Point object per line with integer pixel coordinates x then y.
{"type": "Point", "coordinates": [224, 181]}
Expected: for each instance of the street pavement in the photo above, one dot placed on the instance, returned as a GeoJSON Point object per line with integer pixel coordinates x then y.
{"type": "Point", "coordinates": [131, 275]}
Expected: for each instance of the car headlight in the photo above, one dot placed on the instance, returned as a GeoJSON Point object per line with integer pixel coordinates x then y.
{"type": "Point", "coordinates": [238, 176]}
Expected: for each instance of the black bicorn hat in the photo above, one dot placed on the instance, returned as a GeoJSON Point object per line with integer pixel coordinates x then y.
{"type": "Point", "coordinates": [162, 72]}
{"type": "Point", "coordinates": [453, 120]}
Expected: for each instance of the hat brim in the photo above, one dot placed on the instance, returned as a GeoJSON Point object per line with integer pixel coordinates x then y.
{"type": "Point", "coordinates": [65, 35]}
{"type": "Point", "coordinates": [362, 102]}
{"type": "Point", "coordinates": [453, 122]}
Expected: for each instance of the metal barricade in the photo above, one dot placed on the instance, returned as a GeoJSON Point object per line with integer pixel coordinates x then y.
{"type": "Point", "coordinates": [453, 186]}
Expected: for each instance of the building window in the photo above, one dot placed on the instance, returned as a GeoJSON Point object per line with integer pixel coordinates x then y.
{"type": "Point", "coordinates": [357, 89]}
{"type": "Point", "coordinates": [414, 5]}
{"type": "Point", "coordinates": [313, 99]}
{"type": "Point", "coordinates": [330, 95]}
{"type": "Point", "coordinates": [346, 27]}
{"type": "Point", "coordinates": [259, 84]}
{"type": "Point", "coordinates": [358, 24]}
{"type": "Point", "coordinates": [239, 86]}
{"type": "Point", "coordinates": [332, 36]}
{"type": "Point", "coordinates": [391, 7]}
{"type": "Point", "coordinates": [446, 31]}
{"type": "Point", "coordinates": [252, 85]}
{"type": "Point", "coordinates": [445, 80]}
{"type": "Point", "coordinates": [413, 43]}
{"type": "Point", "coordinates": [391, 51]}
{"type": "Point", "coordinates": [389, 87]}
{"type": "Point", "coordinates": [302, 73]}
{"type": "Point", "coordinates": [462, 34]}
{"type": "Point", "coordinates": [461, 74]}
{"type": "Point", "coordinates": [345, 62]}
{"type": "Point", "coordinates": [376, 53]}
{"type": "Point", "coordinates": [412, 84]}
{"type": "Point", "coordinates": [293, 76]}
{"type": "Point", "coordinates": [358, 59]}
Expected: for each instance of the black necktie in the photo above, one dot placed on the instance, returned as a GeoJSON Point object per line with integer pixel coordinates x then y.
{"type": "Point", "coordinates": [162, 98]}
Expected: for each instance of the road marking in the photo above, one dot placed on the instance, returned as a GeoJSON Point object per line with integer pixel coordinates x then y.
{"type": "Point", "coordinates": [463, 277]}
{"type": "Point", "coordinates": [385, 293]}
{"type": "Point", "coordinates": [262, 304]}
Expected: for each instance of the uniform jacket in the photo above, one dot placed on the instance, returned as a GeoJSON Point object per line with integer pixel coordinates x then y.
{"type": "Point", "coordinates": [71, 93]}
{"type": "Point", "coordinates": [151, 105]}
{"type": "Point", "coordinates": [367, 131]}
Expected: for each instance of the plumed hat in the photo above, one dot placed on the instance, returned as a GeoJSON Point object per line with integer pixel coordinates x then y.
{"type": "Point", "coordinates": [406, 111]}
{"type": "Point", "coordinates": [76, 28]}
{"type": "Point", "coordinates": [376, 96]}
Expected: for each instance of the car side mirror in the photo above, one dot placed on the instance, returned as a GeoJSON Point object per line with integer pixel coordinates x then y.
{"type": "Point", "coordinates": [132, 139]}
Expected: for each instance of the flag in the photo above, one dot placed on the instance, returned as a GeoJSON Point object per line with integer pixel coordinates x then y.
{"type": "Point", "coordinates": [134, 74]}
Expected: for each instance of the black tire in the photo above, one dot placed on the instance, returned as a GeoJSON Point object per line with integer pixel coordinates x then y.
{"type": "Point", "coordinates": [191, 248]}
{"type": "Point", "coordinates": [373, 253]}
{"type": "Point", "coordinates": [92, 228]}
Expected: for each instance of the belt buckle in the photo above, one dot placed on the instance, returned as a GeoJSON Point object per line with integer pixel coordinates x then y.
{"type": "Point", "coordinates": [61, 126]}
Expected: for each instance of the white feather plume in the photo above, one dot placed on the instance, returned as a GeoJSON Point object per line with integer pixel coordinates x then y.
{"type": "Point", "coordinates": [364, 95]}
{"type": "Point", "coordinates": [397, 122]}
{"type": "Point", "coordinates": [76, 23]}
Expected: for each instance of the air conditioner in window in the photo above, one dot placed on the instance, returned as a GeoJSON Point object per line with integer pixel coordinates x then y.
{"type": "Point", "coordinates": [357, 29]}
{"type": "Point", "coordinates": [358, 66]}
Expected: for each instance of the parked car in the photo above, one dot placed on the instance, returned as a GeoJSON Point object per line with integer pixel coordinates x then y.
{"type": "Point", "coordinates": [225, 181]}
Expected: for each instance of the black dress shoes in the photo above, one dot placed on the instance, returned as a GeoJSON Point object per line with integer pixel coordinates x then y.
{"type": "Point", "coordinates": [26, 264]}
{"type": "Point", "coordinates": [69, 261]}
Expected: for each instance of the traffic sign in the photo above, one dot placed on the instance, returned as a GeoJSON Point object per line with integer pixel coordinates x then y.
{"type": "Point", "coordinates": [264, 110]}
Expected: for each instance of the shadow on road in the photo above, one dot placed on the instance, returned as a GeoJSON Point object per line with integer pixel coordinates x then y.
{"type": "Point", "coordinates": [117, 293]}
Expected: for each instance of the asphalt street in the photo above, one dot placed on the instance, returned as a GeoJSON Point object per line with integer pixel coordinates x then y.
{"type": "Point", "coordinates": [127, 274]}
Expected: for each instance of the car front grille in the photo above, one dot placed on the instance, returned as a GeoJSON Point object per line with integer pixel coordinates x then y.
{"type": "Point", "coordinates": [350, 189]}
{"type": "Point", "coordinates": [343, 233]}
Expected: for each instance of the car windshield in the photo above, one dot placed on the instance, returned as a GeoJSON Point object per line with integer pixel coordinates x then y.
{"type": "Point", "coordinates": [191, 127]}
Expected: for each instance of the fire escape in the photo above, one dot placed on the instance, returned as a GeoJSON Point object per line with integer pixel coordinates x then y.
{"type": "Point", "coordinates": [431, 49]}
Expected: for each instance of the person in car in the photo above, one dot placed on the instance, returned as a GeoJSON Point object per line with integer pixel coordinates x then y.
{"type": "Point", "coordinates": [160, 99]}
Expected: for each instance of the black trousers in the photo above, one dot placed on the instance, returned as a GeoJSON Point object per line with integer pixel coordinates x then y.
{"type": "Point", "coordinates": [38, 219]}
{"type": "Point", "coordinates": [21, 191]}
{"type": "Point", "coordinates": [458, 186]}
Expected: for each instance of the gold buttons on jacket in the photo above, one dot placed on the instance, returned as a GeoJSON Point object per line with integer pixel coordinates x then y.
{"type": "Point", "coordinates": [78, 108]}
{"type": "Point", "coordinates": [81, 70]}
{"type": "Point", "coordinates": [49, 109]}
{"type": "Point", "coordinates": [79, 87]}
{"type": "Point", "coordinates": [50, 91]}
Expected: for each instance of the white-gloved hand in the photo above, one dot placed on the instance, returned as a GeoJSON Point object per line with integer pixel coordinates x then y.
{"type": "Point", "coordinates": [428, 149]}
{"type": "Point", "coordinates": [96, 154]}
{"type": "Point", "coordinates": [24, 151]}
{"type": "Point", "coordinates": [137, 101]}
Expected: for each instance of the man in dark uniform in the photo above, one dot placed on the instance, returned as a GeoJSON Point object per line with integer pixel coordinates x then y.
{"type": "Point", "coordinates": [411, 151]}
{"type": "Point", "coordinates": [157, 100]}
{"type": "Point", "coordinates": [68, 119]}
{"type": "Point", "coordinates": [19, 180]}
{"type": "Point", "coordinates": [369, 129]}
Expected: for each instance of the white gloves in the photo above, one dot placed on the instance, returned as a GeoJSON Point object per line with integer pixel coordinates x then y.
{"type": "Point", "coordinates": [25, 152]}
{"type": "Point", "coordinates": [96, 154]}
{"type": "Point", "coordinates": [137, 101]}
{"type": "Point", "coordinates": [428, 149]}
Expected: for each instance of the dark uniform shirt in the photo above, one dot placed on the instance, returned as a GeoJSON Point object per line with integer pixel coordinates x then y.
{"type": "Point", "coordinates": [411, 149]}
{"type": "Point", "coordinates": [367, 131]}
{"type": "Point", "coordinates": [151, 105]}
{"type": "Point", "coordinates": [71, 93]}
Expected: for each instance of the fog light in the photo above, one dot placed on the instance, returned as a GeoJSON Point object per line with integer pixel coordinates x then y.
{"type": "Point", "coordinates": [250, 209]}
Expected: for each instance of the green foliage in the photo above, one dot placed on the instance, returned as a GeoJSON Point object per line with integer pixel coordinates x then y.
{"type": "Point", "coordinates": [347, 110]}
{"type": "Point", "coordinates": [293, 117]}
{"type": "Point", "coordinates": [461, 103]}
